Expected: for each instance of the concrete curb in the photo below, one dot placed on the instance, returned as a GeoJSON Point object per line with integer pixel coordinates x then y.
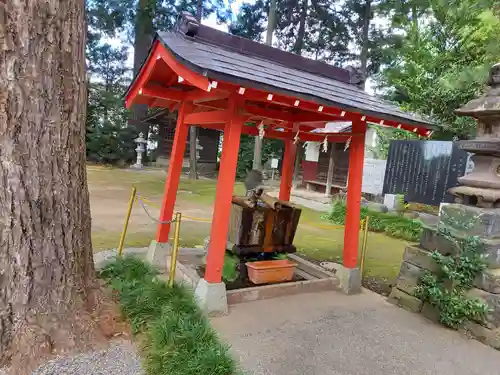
{"type": "Point", "coordinates": [280, 290]}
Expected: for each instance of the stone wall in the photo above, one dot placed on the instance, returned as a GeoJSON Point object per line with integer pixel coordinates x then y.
{"type": "Point", "coordinates": [417, 260]}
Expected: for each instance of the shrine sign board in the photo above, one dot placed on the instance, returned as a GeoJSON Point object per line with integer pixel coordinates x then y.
{"type": "Point", "coordinates": [424, 170]}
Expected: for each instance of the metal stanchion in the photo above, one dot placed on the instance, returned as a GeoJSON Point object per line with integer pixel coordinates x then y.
{"type": "Point", "coordinates": [175, 249]}
{"type": "Point", "coordinates": [127, 218]}
{"type": "Point", "coordinates": [363, 247]}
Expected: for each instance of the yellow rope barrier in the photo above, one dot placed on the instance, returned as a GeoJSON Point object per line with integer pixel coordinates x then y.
{"type": "Point", "coordinates": [197, 219]}
{"type": "Point", "coordinates": [204, 220]}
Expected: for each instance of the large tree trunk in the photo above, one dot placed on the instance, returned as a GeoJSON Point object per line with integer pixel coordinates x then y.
{"type": "Point", "coordinates": [299, 42]}
{"type": "Point", "coordinates": [142, 42]}
{"type": "Point", "coordinates": [365, 42]}
{"type": "Point", "coordinates": [271, 25]}
{"type": "Point", "coordinates": [46, 265]}
{"type": "Point", "coordinates": [193, 130]}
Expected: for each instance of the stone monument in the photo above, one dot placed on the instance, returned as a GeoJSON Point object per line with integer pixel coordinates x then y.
{"type": "Point", "coordinates": [477, 205]}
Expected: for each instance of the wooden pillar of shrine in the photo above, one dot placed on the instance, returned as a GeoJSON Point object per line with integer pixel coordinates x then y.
{"type": "Point", "coordinates": [355, 179]}
{"type": "Point", "coordinates": [224, 194]}
{"type": "Point", "coordinates": [287, 169]}
{"type": "Point", "coordinates": [174, 173]}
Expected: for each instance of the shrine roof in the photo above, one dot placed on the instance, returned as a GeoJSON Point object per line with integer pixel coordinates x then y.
{"type": "Point", "coordinates": [224, 57]}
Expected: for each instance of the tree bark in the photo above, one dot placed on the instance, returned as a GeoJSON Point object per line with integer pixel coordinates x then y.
{"type": "Point", "coordinates": [142, 42]}
{"type": "Point", "coordinates": [46, 264]}
{"type": "Point", "coordinates": [271, 21]}
{"type": "Point", "coordinates": [365, 41]}
{"type": "Point", "coordinates": [299, 42]}
{"type": "Point", "coordinates": [271, 25]}
{"type": "Point", "coordinates": [193, 130]}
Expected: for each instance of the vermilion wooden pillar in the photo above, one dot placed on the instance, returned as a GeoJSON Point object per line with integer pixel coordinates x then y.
{"type": "Point", "coordinates": [224, 194]}
{"type": "Point", "coordinates": [356, 161]}
{"type": "Point", "coordinates": [287, 170]}
{"type": "Point", "coordinates": [174, 172]}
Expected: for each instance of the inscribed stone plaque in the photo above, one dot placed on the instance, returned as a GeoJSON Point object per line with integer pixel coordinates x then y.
{"type": "Point", "coordinates": [424, 170]}
{"type": "Point", "coordinates": [373, 176]}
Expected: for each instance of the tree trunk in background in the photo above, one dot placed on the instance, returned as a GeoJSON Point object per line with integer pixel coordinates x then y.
{"type": "Point", "coordinates": [271, 24]}
{"type": "Point", "coordinates": [142, 42]}
{"type": "Point", "coordinates": [366, 41]}
{"type": "Point", "coordinates": [299, 42]}
{"type": "Point", "coordinates": [47, 275]}
{"type": "Point", "coordinates": [271, 21]}
{"type": "Point", "coordinates": [199, 10]}
{"type": "Point", "coordinates": [298, 161]}
{"type": "Point", "coordinates": [193, 130]}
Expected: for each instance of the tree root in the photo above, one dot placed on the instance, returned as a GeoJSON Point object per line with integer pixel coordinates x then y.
{"type": "Point", "coordinates": [80, 329]}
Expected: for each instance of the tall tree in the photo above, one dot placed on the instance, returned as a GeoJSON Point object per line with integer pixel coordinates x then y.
{"type": "Point", "coordinates": [143, 36]}
{"type": "Point", "coordinates": [271, 24]}
{"type": "Point", "coordinates": [109, 139]}
{"type": "Point", "coordinates": [250, 22]}
{"type": "Point", "coordinates": [46, 263]}
{"type": "Point", "coordinates": [442, 63]}
{"type": "Point", "coordinates": [193, 130]}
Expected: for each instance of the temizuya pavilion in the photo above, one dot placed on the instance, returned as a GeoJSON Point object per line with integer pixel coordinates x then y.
{"type": "Point", "coordinates": [220, 81]}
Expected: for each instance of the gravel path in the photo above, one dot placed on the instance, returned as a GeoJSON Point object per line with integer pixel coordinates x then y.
{"type": "Point", "coordinates": [120, 358]}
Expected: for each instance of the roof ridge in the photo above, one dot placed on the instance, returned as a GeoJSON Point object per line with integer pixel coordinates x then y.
{"type": "Point", "coordinates": [187, 25]}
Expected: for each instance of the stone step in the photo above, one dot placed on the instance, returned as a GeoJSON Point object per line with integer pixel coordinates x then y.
{"type": "Point", "coordinates": [492, 319]}
{"type": "Point", "coordinates": [431, 240]}
{"type": "Point", "coordinates": [489, 280]}
{"type": "Point", "coordinates": [404, 300]}
{"type": "Point", "coordinates": [490, 337]}
{"type": "Point", "coordinates": [420, 258]}
{"type": "Point", "coordinates": [416, 262]}
{"type": "Point", "coordinates": [409, 278]}
{"type": "Point", "coordinates": [483, 222]}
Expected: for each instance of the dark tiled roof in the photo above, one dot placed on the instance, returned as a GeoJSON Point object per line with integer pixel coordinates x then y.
{"type": "Point", "coordinates": [224, 57]}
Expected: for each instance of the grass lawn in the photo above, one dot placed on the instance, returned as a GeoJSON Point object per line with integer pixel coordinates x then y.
{"type": "Point", "coordinates": [110, 188]}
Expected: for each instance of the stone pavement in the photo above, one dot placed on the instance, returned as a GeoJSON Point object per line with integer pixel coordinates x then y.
{"type": "Point", "coordinates": [330, 333]}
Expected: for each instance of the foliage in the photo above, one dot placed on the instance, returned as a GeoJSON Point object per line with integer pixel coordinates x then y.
{"type": "Point", "coordinates": [250, 21]}
{"type": "Point", "coordinates": [385, 135]}
{"type": "Point", "coordinates": [436, 66]}
{"type": "Point", "coordinates": [447, 290]}
{"type": "Point", "coordinates": [178, 339]}
{"type": "Point", "coordinates": [393, 225]}
{"type": "Point", "coordinates": [245, 155]}
{"type": "Point", "coordinates": [230, 269]}
{"type": "Point", "coordinates": [109, 139]}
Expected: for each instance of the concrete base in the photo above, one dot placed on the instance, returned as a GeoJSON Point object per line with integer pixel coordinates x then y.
{"type": "Point", "coordinates": [349, 280]}
{"type": "Point", "coordinates": [157, 253]}
{"type": "Point", "coordinates": [212, 298]}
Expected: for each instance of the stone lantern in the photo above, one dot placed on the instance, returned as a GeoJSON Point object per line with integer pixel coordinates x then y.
{"type": "Point", "coordinates": [481, 187]}
{"type": "Point", "coordinates": [475, 213]}
{"type": "Point", "coordinates": [140, 149]}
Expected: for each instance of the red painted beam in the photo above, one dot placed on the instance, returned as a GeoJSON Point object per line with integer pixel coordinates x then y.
{"type": "Point", "coordinates": [191, 77]}
{"type": "Point", "coordinates": [212, 117]}
{"type": "Point", "coordinates": [200, 96]}
{"type": "Point", "coordinates": [142, 77]}
{"type": "Point", "coordinates": [339, 114]}
{"type": "Point", "coordinates": [160, 92]}
{"type": "Point", "coordinates": [267, 113]}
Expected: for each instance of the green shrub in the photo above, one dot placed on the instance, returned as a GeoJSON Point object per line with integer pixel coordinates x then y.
{"type": "Point", "coordinates": [393, 225]}
{"type": "Point", "coordinates": [230, 269]}
{"type": "Point", "coordinates": [447, 290]}
{"type": "Point", "coordinates": [178, 339]}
